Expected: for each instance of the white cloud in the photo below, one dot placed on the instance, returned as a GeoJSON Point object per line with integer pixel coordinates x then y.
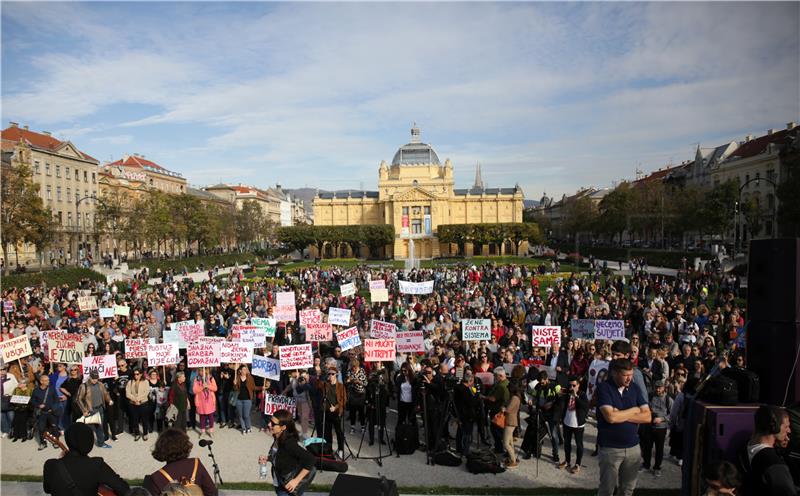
{"type": "Point", "coordinates": [119, 139]}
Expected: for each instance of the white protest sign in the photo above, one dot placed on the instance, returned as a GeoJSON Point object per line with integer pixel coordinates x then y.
{"type": "Point", "coordinates": [177, 325]}
{"type": "Point", "coordinates": [285, 298]}
{"type": "Point", "coordinates": [310, 316]}
{"type": "Point", "coordinates": [14, 349]}
{"type": "Point", "coordinates": [244, 334]}
{"type": "Point", "coordinates": [190, 332]}
{"type": "Point", "coordinates": [236, 352]}
{"type": "Point", "coordinates": [582, 328]}
{"type": "Point", "coordinates": [204, 354]}
{"type": "Point", "coordinates": [105, 365]}
{"type": "Point", "coordinates": [348, 289]}
{"type": "Point", "coordinates": [380, 295]}
{"type": "Point", "coordinates": [322, 331]}
{"type": "Point", "coordinates": [545, 336]}
{"type": "Point", "coordinates": [476, 330]}
{"type": "Point", "coordinates": [125, 311]}
{"type": "Point", "coordinates": [273, 403]}
{"type": "Point", "coordinates": [284, 313]}
{"type": "Point", "coordinates": [410, 342]}
{"type": "Point", "coordinates": [268, 325]}
{"type": "Point", "coordinates": [296, 356]}
{"type": "Point", "coordinates": [65, 350]}
{"type": "Point", "coordinates": [339, 316]}
{"type": "Point", "coordinates": [379, 350]}
{"type": "Point", "coordinates": [408, 287]}
{"type": "Point", "coordinates": [87, 303]}
{"type": "Point", "coordinates": [137, 348]}
{"type": "Point", "coordinates": [163, 354]}
{"type": "Point", "coordinates": [348, 338]}
{"type": "Point", "coordinates": [382, 330]}
{"type": "Point", "coordinates": [269, 368]}
{"type": "Point", "coordinates": [597, 370]}
{"type": "Point", "coordinates": [377, 284]}
{"type": "Point", "coordinates": [173, 337]}
{"type": "Point", "coordinates": [20, 399]}
{"type": "Point", "coordinates": [613, 330]}
{"type": "Point", "coordinates": [106, 313]}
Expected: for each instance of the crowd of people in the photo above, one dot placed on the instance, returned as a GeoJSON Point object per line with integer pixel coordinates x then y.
{"type": "Point", "coordinates": [502, 392]}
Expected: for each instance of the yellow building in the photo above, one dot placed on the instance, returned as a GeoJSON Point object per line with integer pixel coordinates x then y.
{"type": "Point", "coordinates": [416, 193]}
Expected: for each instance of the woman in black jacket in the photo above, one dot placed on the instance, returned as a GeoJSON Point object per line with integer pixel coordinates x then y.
{"type": "Point", "coordinates": [575, 409]}
{"type": "Point", "coordinates": [292, 466]}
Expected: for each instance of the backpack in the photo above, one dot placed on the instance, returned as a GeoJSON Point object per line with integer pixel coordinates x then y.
{"type": "Point", "coordinates": [447, 458]}
{"type": "Point", "coordinates": [484, 462]}
{"type": "Point", "coordinates": [188, 484]}
{"type": "Point", "coordinates": [406, 439]}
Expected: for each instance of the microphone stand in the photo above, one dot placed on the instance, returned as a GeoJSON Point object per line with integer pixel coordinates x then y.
{"type": "Point", "coordinates": [217, 474]}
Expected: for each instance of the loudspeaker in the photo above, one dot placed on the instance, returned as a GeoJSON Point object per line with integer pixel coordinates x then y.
{"type": "Point", "coordinates": [349, 485]}
{"type": "Point", "coordinates": [772, 348]}
{"type": "Point", "coordinates": [772, 280]}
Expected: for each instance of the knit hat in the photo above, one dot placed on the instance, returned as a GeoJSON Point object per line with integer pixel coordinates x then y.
{"type": "Point", "coordinates": [79, 438]}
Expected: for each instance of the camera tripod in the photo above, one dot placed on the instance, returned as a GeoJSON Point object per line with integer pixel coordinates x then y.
{"type": "Point", "coordinates": [447, 411]}
{"type": "Point", "coordinates": [379, 417]}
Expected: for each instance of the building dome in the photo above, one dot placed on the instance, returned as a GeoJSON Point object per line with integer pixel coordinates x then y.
{"type": "Point", "coordinates": [416, 152]}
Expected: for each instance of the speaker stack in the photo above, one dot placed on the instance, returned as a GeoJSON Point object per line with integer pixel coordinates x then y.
{"type": "Point", "coordinates": [356, 485]}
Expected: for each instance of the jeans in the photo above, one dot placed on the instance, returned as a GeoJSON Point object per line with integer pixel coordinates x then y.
{"type": "Point", "coordinates": [99, 435]}
{"type": "Point", "coordinates": [619, 468]}
{"type": "Point", "coordinates": [7, 421]}
{"type": "Point", "coordinates": [58, 411]}
{"type": "Point", "coordinates": [569, 433]}
{"type": "Point", "coordinates": [497, 435]}
{"type": "Point", "coordinates": [555, 435]}
{"type": "Point", "coordinates": [243, 408]}
{"type": "Point", "coordinates": [648, 438]}
{"type": "Point", "coordinates": [222, 412]}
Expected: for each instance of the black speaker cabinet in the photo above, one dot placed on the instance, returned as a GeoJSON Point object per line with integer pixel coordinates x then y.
{"type": "Point", "coordinates": [356, 485]}
{"type": "Point", "coordinates": [772, 348]}
{"type": "Point", "coordinates": [773, 277]}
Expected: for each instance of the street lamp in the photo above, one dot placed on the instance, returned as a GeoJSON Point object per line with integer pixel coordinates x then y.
{"type": "Point", "coordinates": [737, 210]}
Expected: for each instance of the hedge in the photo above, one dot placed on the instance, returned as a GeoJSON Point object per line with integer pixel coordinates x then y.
{"type": "Point", "coordinates": [54, 277]}
{"type": "Point", "coordinates": [191, 263]}
{"type": "Point", "coordinates": [655, 258]}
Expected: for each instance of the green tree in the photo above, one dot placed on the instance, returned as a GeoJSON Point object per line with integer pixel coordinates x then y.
{"type": "Point", "coordinates": [614, 209]}
{"type": "Point", "coordinates": [249, 223]}
{"type": "Point", "coordinates": [25, 218]}
{"type": "Point", "coordinates": [377, 235]}
{"type": "Point", "coordinates": [580, 215]}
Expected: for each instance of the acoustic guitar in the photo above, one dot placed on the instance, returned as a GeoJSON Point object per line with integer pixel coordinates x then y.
{"type": "Point", "coordinates": [101, 489]}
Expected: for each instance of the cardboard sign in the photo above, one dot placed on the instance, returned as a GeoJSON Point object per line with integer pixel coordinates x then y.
{"type": "Point", "coordinates": [122, 310]}
{"type": "Point", "coordinates": [105, 365]}
{"type": "Point", "coordinates": [296, 356]}
{"type": "Point", "coordinates": [20, 399]}
{"type": "Point", "coordinates": [380, 295]}
{"type": "Point", "coordinates": [16, 348]}
{"type": "Point", "coordinates": [236, 352]}
{"type": "Point", "coordinates": [613, 330]}
{"type": "Point", "coordinates": [163, 354]}
{"type": "Point", "coordinates": [268, 325]}
{"type": "Point", "coordinates": [204, 354]}
{"type": "Point", "coordinates": [476, 330]}
{"type": "Point", "coordinates": [382, 330]}
{"type": "Point", "coordinates": [379, 350]}
{"type": "Point", "coordinates": [545, 336]}
{"type": "Point", "coordinates": [106, 313]}
{"type": "Point", "coordinates": [245, 334]}
{"type": "Point", "coordinates": [582, 328]}
{"type": "Point", "coordinates": [311, 316]}
{"type": "Point", "coordinates": [597, 370]}
{"type": "Point", "coordinates": [322, 331]}
{"type": "Point", "coordinates": [348, 289]}
{"type": "Point", "coordinates": [65, 351]}
{"type": "Point", "coordinates": [418, 288]}
{"type": "Point", "coordinates": [137, 348]}
{"type": "Point", "coordinates": [87, 303]}
{"type": "Point", "coordinates": [173, 337]}
{"type": "Point", "coordinates": [8, 306]}
{"type": "Point", "coordinates": [348, 338]}
{"type": "Point", "coordinates": [46, 336]}
{"type": "Point", "coordinates": [339, 316]}
{"type": "Point", "coordinates": [285, 298]}
{"type": "Point", "coordinates": [177, 325]}
{"type": "Point", "coordinates": [269, 368]}
{"type": "Point", "coordinates": [190, 333]}
{"type": "Point", "coordinates": [377, 284]}
{"type": "Point", "coordinates": [285, 313]}
{"type": "Point", "coordinates": [410, 342]}
{"type": "Point", "coordinates": [273, 403]}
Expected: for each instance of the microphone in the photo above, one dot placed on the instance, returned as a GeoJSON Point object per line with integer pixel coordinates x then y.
{"type": "Point", "coordinates": [206, 442]}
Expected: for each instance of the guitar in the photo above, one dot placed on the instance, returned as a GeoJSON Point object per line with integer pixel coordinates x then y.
{"type": "Point", "coordinates": [101, 489]}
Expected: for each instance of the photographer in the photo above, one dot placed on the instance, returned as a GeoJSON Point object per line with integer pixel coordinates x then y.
{"type": "Point", "coordinates": [377, 404]}
{"type": "Point", "coordinates": [497, 397]}
{"type": "Point", "coordinates": [546, 401]}
{"type": "Point", "coordinates": [431, 392]}
{"type": "Point", "coordinates": [467, 404]}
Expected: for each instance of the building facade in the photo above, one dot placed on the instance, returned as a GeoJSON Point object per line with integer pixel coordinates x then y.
{"type": "Point", "coordinates": [416, 193]}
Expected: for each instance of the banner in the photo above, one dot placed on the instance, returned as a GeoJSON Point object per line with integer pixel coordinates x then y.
{"type": "Point", "coordinates": [273, 403]}
{"type": "Point", "coordinates": [348, 289]}
{"type": "Point", "coordinates": [105, 365]}
{"type": "Point", "coordinates": [269, 368]}
{"type": "Point", "coordinates": [236, 352]}
{"type": "Point", "coordinates": [597, 370]}
{"type": "Point", "coordinates": [476, 330]}
{"type": "Point", "coordinates": [410, 342]}
{"type": "Point", "coordinates": [65, 350]}
{"type": "Point", "coordinates": [87, 303]}
{"type": "Point", "coordinates": [162, 354]}
{"type": "Point", "coordinates": [16, 348]}
{"type": "Point", "coordinates": [322, 331]}
{"type": "Point", "coordinates": [348, 338]}
{"type": "Point", "coordinates": [379, 350]}
{"type": "Point", "coordinates": [545, 336]}
{"type": "Point", "coordinates": [122, 310]}
{"type": "Point", "coordinates": [582, 328]}
{"type": "Point", "coordinates": [379, 295]}
{"type": "Point", "coordinates": [284, 298]}
{"type": "Point", "coordinates": [296, 356]}
{"type": "Point", "coordinates": [311, 316]}
{"type": "Point", "coordinates": [377, 284]}
{"type": "Point", "coordinates": [408, 287]}
{"type": "Point", "coordinates": [204, 354]}
{"type": "Point", "coordinates": [339, 316]}
{"type": "Point", "coordinates": [268, 325]}
{"type": "Point", "coordinates": [106, 313]}
{"type": "Point", "coordinates": [137, 348]}
{"type": "Point", "coordinates": [613, 330]}
{"type": "Point", "coordinates": [284, 313]}
{"type": "Point", "coordinates": [382, 330]}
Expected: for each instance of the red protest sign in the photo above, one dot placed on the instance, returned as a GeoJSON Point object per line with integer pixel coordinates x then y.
{"type": "Point", "coordinates": [379, 350]}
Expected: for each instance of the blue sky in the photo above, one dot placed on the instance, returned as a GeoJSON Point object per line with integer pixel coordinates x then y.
{"type": "Point", "coordinates": [553, 96]}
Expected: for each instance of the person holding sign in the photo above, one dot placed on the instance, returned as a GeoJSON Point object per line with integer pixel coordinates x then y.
{"type": "Point", "coordinates": [292, 466]}
{"type": "Point", "coordinates": [245, 389]}
{"type": "Point", "coordinates": [205, 400]}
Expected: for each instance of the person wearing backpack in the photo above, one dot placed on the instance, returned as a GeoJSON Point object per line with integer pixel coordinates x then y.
{"type": "Point", "coordinates": [173, 448]}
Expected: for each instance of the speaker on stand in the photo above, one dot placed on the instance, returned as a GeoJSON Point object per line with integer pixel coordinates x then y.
{"type": "Point", "coordinates": [350, 485]}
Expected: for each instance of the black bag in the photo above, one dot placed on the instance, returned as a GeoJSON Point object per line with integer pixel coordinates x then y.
{"type": "Point", "coordinates": [406, 440]}
{"type": "Point", "coordinates": [328, 463]}
{"type": "Point", "coordinates": [747, 383]}
{"type": "Point", "coordinates": [448, 458]}
{"type": "Point", "coordinates": [719, 390]}
{"type": "Point", "coordinates": [484, 462]}
{"type": "Point", "coordinates": [320, 449]}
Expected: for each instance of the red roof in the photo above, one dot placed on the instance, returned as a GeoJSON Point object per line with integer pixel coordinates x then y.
{"type": "Point", "coordinates": [15, 134]}
{"type": "Point", "coordinates": [659, 175]}
{"type": "Point", "coordinates": [137, 162]}
{"type": "Point", "coordinates": [759, 145]}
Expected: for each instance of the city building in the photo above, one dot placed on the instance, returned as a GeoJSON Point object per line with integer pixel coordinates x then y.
{"type": "Point", "coordinates": [136, 168]}
{"type": "Point", "coordinates": [416, 193]}
{"type": "Point", "coordinates": [238, 194]}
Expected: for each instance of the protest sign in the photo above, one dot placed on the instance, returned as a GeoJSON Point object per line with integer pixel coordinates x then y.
{"type": "Point", "coordinates": [105, 365]}
{"type": "Point", "coordinates": [284, 298]}
{"type": "Point", "coordinates": [348, 289]}
{"type": "Point", "coordinates": [273, 403]}
{"type": "Point", "coordinates": [163, 354]}
{"type": "Point", "coordinates": [285, 313]}
{"type": "Point", "coordinates": [377, 284]}
{"type": "Point", "coordinates": [125, 311]}
{"type": "Point", "coordinates": [339, 316]}
{"type": "Point", "coordinates": [379, 350]}
{"type": "Point", "coordinates": [476, 330]}
{"type": "Point", "coordinates": [545, 336]}
{"type": "Point", "coordinates": [613, 330]}
{"type": "Point", "coordinates": [598, 371]}
{"type": "Point", "coordinates": [191, 332]}
{"type": "Point", "coordinates": [410, 342]}
{"type": "Point", "coordinates": [245, 334]}
{"type": "Point", "coordinates": [204, 354]}
{"type": "Point", "coordinates": [269, 368]}
{"type": "Point", "coordinates": [321, 331]}
{"type": "Point", "coordinates": [106, 313]}
{"type": "Point", "coordinates": [380, 295]}
{"type": "Point", "coordinates": [87, 303]}
{"type": "Point", "coordinates": [8, 306]}
{"type": "Point", "coordinates": [137, 348]}
{"type": "Point", "coordinates": [236, 352]}
{"type": "Point", "coordinates": [382, 330]}
{"type": "Point", "coordinates": [65, 350]}
{"type": "Point", "coordinates": [16, 348]}
{"type": "Point", "coordinates": [408, 287]}
{"type": "Point", "coordinates": [296, 356]}
{"type": "Point", "coordinates": [582, 328]}
{"type": "Point", "coordinates": [348, 338]}
{"type": "Point", "coordinates": [310, 316]}
{"type": "Point", "coordinates": [177, 325]}
{"type": "Point", "coordinates": [268, 325]}
{"type": "Point", "coordinates": [173, 337]}
{"type": "Point", "coordinates": [20, 399]}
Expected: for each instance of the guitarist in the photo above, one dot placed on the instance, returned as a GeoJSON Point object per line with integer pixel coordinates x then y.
{"type": "Point", "coordinates": [292, 466]}
{"type": "Point", "coordinates": [75, 473]}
